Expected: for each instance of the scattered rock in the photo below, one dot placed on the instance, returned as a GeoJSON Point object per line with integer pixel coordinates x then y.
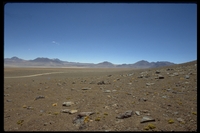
{"type": "Point", "coordinates": [82, 114]}
{"type": "Point", "coordinates": [7, 116]}
{"type": "Point", "coordinates": [107, 91]}
{"type": "Point", "coordinates": [67, 104]}
{"type": "Point", "coordinates": [168, 89]}
{"type": "Point", "coordinates": [59, 84]}
{"type": "Point", "coordinates": [39, 97]}
{"type": "Point", "coordinates": [128, 93]}
{"type": "Point", "coordinates": [82, 126]}
{"type": "Point", "coordinates": [145, 111]}
{"type": "Point", "coordinates": [157, 71]}
{"type": "Point", "coordinates": [65, 110]}
{"type": "Point", "coordinates": [142, 99]}
{"type": "Point", "coordinates": [106, 107]}
{"type": "Point", "coordinates": [130, 74]}
{"type": "Point", "coordinates": [164, 96]}
{"type": "Point", "coordinates": [9, 100]}
{"type": "Point", "coordinates": [125, 115]}
{"type": "Point", "coordinates": [147, 76]}
{"type": "Point", "coordinates": [6, 95]}
{"type": "Point", "coordinates": [147, 119]}
{"type": "Point", "coordinates": [144, 72]}
{"type": "Point", "coordinates": [190, 73]}
{"type": "Point", "coordinates": [148, 114]}
{"type": "Point", "coordinates": [101, 83]}
{"type": "Point", "coordinates": [175, 113]}
{"type": "Point", "coordinates": [182, 73]}
{"type": "Point", "coordinates": [169, 69]}
{"type": "Point", "coordinates": [86, 88]}
{"type": "Point", "coordinates": [175, 74]}
{"type": "Point", "coordinates": [187, 76]}
{"type": "Point", "coordinates": [180, 120]}
{"type": "Point", "coordinates": [92, 82]}
{"type": "Point", "coordinates": [115, 105]}
{"type": "Point", "coordinates": [141, 76]}
{"type": "Point", "coordinates": [29, 107]}
{"type": "Point", "coordinates": [45, 124]}
{"type": "Point", "coordinates": [137, 113]}
{"type": "Point", "coordinates": [81, 119]}
{"type": "Point", "coordinates": [119, 121]}
{"type": "Point", "coordinates": [9, 86]}
{"type": "Point", "coordinates": [73, 111]}
{"type": "Point", "coordinates": [51, 122]}
{"type": "Point", "coordinates": [78, 120]}
{"type": "Point", "coordinates": [148, 84]}
{"type": "Point", "coordinates": [109, 75]}
{"type": "Point", "coordinates": [160, 77]}
{"type": "Point", "coordinates": [73, 82]}
{"type": "Point", "coordinates": [186, 82]}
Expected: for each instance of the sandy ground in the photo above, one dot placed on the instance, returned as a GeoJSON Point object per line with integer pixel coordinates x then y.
{"type": "Point", "coordinates": [167, 96]}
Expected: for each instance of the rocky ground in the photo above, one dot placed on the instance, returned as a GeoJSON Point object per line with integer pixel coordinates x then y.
{"type": "Point", "coordinates": [157, 99]}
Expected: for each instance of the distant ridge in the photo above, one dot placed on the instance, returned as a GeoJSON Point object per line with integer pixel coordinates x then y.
{"type": "Point", "coordinates": [46, 62]}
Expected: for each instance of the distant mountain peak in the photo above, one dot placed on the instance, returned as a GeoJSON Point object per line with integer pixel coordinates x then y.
{"type": "Point", "coordinates": [41, 58]}
{"type": "Point", "coordinates": [14, 57]}
{"type": "Point", "coordinates": [56, 59]}
{"type": "Point", "coordinates": [105, 62]}
{"type": "Point", "coordinates": [43, 61]}
{"type": "Point", "coordinates": [143, 61]}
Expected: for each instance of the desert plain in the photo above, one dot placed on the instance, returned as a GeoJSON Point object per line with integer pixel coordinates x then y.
{"type": "Point", "coordinates": [101, 99]}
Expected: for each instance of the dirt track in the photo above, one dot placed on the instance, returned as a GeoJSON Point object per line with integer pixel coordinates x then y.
{"type": "Point", "coordinates": [27, 76]}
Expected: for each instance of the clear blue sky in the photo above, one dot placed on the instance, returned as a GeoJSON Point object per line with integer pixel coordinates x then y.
{"type": "Point", "coordinates": [96, 32]}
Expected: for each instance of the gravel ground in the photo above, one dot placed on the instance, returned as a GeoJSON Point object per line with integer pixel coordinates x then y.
{"type": "Point", "coordinates": [157, 99]}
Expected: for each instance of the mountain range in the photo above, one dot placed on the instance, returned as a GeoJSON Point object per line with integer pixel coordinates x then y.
{"type": "Point", "coordinates": [46, 62]}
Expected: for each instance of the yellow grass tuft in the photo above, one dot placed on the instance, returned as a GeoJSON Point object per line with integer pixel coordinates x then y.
{"type": "Point", "coordinates": [194, 113]}
{"type": "Point", "coordinates": [86, 119]}
{"type": "Point", "coordinates": [97, 119]}
{"type": "Point", "coordinates": [54, 104]}
{"type": "Point", "coordinates": [149, 126]}
{"type": "Point", "coordinates": [170, 121]}
{"type": "Point", "coordinates": [20, 122]}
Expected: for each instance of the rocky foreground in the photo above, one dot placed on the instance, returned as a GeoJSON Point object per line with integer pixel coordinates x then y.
{"type": "Point", "coordinates": [158, 99]}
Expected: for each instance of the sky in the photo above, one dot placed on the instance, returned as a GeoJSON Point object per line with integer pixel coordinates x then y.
{"type": "Point", "coordinates": [121, 33]}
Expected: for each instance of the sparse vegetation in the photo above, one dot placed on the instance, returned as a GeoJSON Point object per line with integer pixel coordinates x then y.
{"type": "Point", "coordinates": [162, 106]}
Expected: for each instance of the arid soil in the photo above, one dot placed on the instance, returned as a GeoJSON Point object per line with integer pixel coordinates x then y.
{"type": "Point", "coordinates": [84, 99]}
